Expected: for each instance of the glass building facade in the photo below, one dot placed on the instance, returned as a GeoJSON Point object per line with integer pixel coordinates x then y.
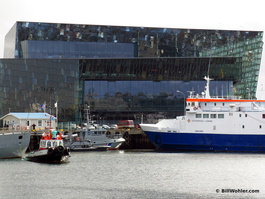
{"type": "Point", "coordinates": [27, 84]}
{"type": "Point", "coordinates": [131, 87]}
{"type": "Point", "coordinates": [153, 100]}
{"type": "Point", "coordinates": [114, 89]}
{"type": "Point", "coordinates": [138, 69]}
{"type": "Point", "coordinates": [60, 49]}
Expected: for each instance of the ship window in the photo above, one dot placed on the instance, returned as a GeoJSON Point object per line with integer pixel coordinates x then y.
{"type": "Point", "coordinates": [198, 115]}
{"type": "Point", "coordinates": [239, 115]}
{"type": "Point", "coordinates": [20, 137]}
{"type": "Point", "coordinates": [192, 104]}
{"type": "Point", "coordinates": [39, 122]}
{"type": "Point", "coordinates": [205, 104]}
{"type": "Point", "coordinates": [260, 126]}
{"type": "Point", "coordinates": [263, 116]}
{"type": "Point", "coordinates": [205, 115]}
{"type": "Point", "coordinates": [55, 144]}
{"type": "Point", "coordinates": [223, 104]}
{"type": "Point", "coordinates": [214, 104]}
{"type": "Point", "coordinates": [243, 126]}
{"type": "Point", "coordinates": [213, 115]}
{"type": "Point", "coordinates": [42, 144]}
{"type": "Point", "coordinates": [246, 115]}
{"type": "Point", "coordinates": [221, 116]}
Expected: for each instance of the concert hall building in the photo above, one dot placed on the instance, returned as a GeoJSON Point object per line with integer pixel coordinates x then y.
{"type": "Point", "coordinates": [122, 72]}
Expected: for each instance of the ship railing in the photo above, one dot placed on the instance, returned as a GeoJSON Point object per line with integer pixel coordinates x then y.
{"type": "Point", "coordinates": [229, 109]}
{"type": "Point", "coordinates": [4, 131]}
{"type": "Point", "coordinates": [116, 136]}
{"type": "Point", "coordinates": [232, 97]}
{"type": "Point", "coordinates": [21, 129]}
{"type": "Point", "coordinates": [11, 129]}
{"type": "Point", "coordinates": [215, 109]}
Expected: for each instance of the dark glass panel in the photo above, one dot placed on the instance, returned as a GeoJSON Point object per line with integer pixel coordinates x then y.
{"type": "Point", "coordinates": [132, 98]}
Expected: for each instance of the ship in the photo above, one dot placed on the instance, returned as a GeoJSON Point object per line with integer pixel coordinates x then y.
{"type": "Point", "coordinates": [51, 149]}
{"type": "Point", "coordinates": [91, 138]}
{"type": "Point", "coordinates": [225, 124]}
{"type": "Point", "coordinates": [15, 134]}
{"type": "Point", "coordinates": [13, 144]}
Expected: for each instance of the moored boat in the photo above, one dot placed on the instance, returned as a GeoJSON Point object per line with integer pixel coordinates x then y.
{"type": "Point", "coordinates": [92, 139]}
{"type": "Point", "coordinates": [51, 149]}
{"type": "Point", "coordinates": [13, 144]}
{"type": "Point", "coordinates": [212, 124]}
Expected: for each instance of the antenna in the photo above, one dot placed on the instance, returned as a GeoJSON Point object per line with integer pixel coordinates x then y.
{"type": "Point", "coordinates": [208, 79]}
{"type": "Point", "coordinates": [211, 54]}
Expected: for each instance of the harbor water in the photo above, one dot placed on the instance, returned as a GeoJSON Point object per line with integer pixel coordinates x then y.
{"type": "Point", "coordinates": [136, 174]}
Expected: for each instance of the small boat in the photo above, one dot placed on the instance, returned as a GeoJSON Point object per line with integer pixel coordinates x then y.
{"type": "Point", "coordinates": [226, 124]}
{"type": "Point", "coordinates": [51, 149]}
{"type": "Point", "coordinates": [93, 139]}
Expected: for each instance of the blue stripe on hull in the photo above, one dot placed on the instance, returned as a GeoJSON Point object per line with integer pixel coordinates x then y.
{"type": "Point", "coordinates": [207, 142]}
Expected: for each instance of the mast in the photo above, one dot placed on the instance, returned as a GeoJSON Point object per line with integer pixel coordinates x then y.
{"type": "Point", "coordinates": [208, 79]}
{"type": "Point", "coordinates": [207, 87]}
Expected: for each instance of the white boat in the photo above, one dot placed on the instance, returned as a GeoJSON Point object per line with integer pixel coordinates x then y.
{"type": "Point", "coordinates": [13, 144]}
{"type": "Point", "coordinates": [92, 139]}
{"type": "Point", "coordinates": [212, 124]}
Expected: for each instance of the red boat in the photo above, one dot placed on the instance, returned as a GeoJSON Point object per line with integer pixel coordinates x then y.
{"type": "Point", "coordinates": [51, 149]}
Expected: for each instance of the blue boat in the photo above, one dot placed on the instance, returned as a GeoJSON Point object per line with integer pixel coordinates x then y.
{"type": "Point", "coordinates": [212, 124]}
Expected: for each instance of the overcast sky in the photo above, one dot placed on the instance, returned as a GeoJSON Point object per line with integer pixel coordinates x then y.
{"type": "Point", "coordinates": [201, 14]}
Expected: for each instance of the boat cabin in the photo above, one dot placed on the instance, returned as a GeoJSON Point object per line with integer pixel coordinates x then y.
{"type": "Point", "coordinates": [51, 139]}
{"type": "Point", "coordinates": [44, 144]}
